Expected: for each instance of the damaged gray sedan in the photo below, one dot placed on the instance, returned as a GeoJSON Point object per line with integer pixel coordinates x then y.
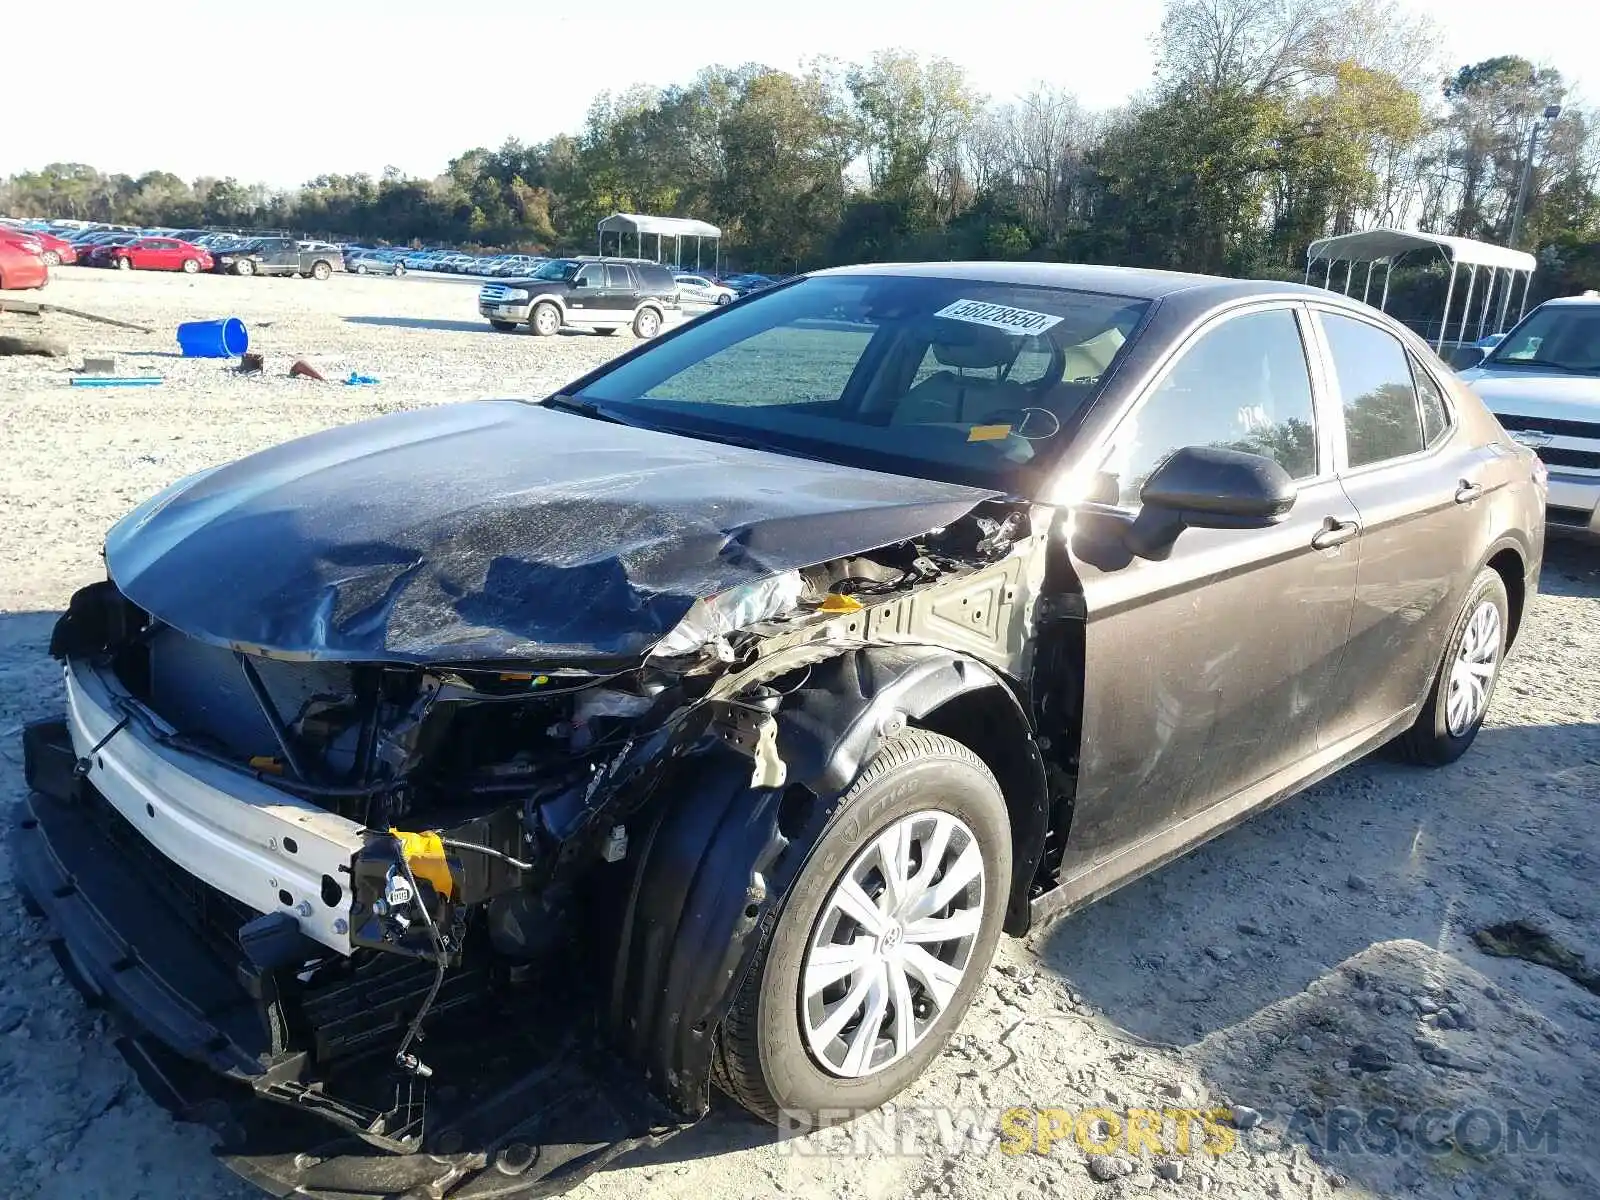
{"type": "Point", "coordinates": [485, 783]}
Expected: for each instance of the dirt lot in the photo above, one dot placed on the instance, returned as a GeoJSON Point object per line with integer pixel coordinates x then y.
{"type": "Point", "coordinates": [1314, 967]}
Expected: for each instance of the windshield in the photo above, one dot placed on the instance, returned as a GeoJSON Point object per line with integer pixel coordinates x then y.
{"type": "Point", "coordinates": [557, 268]}
{"type": "Point", "coordinates": [970, 382]}
{"type": "Point", "coordinates": [1564, 337]}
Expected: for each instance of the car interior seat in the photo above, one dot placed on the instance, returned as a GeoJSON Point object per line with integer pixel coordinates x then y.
{"type": "Point", "coordinates": [967, 387]}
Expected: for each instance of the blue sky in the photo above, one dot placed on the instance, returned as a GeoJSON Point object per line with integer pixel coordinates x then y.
{"type": "Point", "coordinates": [284, 91]}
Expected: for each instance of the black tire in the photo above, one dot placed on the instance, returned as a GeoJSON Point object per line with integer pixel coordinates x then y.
{"type": "Point", "coordinates": [124, 263]}
{"type": "Point", "coordinates": [503, 326]}
{"type": "Point", "coordinates": [191, 266]}
{"type": "Point", "coordinates": [1430, 742]}
{"type": "Point", "coordinates": [361, 268]}
{"type": "Point", "coordinates": [724, 299]}
{"type": "Point", "coordinates": [646, 323]}
{"type": "Point", "coordinates": [551, 319]}
{"type": "Point", "coordinates": [763, 1060]}
{"type": "Point", "coordinates": [320, 271]}
{"type": "Point", "coordinates": [244, 267]}
{"type": "Point", "coordinates": [399, 270]}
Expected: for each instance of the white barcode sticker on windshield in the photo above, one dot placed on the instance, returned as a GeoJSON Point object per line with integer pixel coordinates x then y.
{"type": "Point", "coordinates": [999, 316]}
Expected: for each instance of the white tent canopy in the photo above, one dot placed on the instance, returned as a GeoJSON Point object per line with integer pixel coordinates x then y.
{"type": "Point", "coordinates": [1384, 246]}
{"type": "Point", "coordinates": [677, 228]}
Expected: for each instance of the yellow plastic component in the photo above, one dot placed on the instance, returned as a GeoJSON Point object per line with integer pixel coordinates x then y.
{"type": "Point", "coordinates": [838, 603]}
{"type": "Point", "coordinates": [265, 762]}
{"type": "Point", "coordinates": [988, 433]}
{"type": "Point", "coordinates": [424, 853]}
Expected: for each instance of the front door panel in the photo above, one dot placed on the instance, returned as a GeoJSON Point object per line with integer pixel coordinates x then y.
{"type": "Point", "coordinates": [1207, 672]}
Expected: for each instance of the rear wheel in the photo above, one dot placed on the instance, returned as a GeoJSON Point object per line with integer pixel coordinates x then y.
{"type": "Point", "coordinates": [361, 268]}
{"type": "Point", "coordinates": [882, 941]}
{"type": "Point", "coordinates": [647, 324]}
{"type": "Point", "coordinates": [191, 265]}
{"type": "Point", "coordinates": [546, 319]}
{"type": "Point", "coordinates": [321, 270]}
{"type": "Point", "coordinates": [1464, 686]}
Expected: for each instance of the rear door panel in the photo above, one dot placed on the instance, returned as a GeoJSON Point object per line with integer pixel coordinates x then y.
{"type": "Point", "coordinates": [1418, 550]}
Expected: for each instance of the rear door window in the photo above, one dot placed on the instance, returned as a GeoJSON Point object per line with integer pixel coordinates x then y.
{"type": "Point", "coordinates": [1430, 398]}
{"type": "Point", "coordinates": [618, 277]}
{"type": "Point", "coordinates": [1382, 420]}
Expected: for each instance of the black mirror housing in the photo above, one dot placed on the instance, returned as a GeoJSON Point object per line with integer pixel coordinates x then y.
{"type": "Point", "coordinates": [1207, 487]}
{"type": "Point", "coordinates": [1220, 489]}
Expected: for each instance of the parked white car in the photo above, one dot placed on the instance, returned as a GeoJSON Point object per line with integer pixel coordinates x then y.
{"type": "Point", "coordinates": [697, 289]}
{"type": "Point", "coordinates": [1542, 380]}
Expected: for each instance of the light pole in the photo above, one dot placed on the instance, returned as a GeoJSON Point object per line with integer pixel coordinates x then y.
{"type": "Point", "coordinates": [1551, 112]}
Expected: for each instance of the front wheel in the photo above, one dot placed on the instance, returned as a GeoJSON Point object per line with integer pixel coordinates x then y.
{"type": "Point", "coordinates": [1456, 706]}
{"type": "Point", "coordinates": [647, 324]}
{"type": "Point", "coordinates": [361, 268]}
{"type": "Point", "coordinates": [191, 266]}
{"type": "Point", "coordinates": [124, 264]}
{"type": "Point", "coordinates": [320, 271]}
{"type": "Point", "coordinates": [723, 299]}
{"type": "Point", "coordinates": [51, 258]}
{"type": "Point", "coordinates": [546, 319]}
{"type": "Point", "coordinates": [244, 267]}
{"type": "Point", "coordinates": [399, 270]}
{"type": "Point", "coordinates": [882, 941]}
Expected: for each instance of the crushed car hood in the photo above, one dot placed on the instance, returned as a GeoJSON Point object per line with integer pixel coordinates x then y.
{"type": "Point", "coordinates": [493, 531]}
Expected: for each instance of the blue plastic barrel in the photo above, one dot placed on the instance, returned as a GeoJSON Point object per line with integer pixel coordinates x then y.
{"type": "Point", "coordinates": [227, 338]}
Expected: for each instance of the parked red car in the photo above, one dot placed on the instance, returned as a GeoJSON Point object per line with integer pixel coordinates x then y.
{"type": "Point", "coordinates": [55, 251]}
{"type": "Point", "coordinates": [21, 267]}
{"type": "Point", "coordinates": [160, 254]}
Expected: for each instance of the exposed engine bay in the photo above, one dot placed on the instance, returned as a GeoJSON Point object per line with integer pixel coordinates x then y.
{"type": "Point", "coordinates": [488, 797]}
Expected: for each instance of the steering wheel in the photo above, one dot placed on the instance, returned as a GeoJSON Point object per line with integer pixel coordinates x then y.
{"type": "Point", "coordinates": [1018, 419]}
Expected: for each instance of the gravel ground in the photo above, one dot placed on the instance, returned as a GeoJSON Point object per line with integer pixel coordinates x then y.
{"type": "Point", "coordinates": [1306, 971]}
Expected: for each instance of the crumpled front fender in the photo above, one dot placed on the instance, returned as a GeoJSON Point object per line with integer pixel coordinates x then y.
{"type": "Point", "coordinates": [718, 863]}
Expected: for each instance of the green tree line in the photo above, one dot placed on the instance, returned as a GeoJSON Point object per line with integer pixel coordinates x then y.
{"type": "Point", "coordinates": [1267, 125]}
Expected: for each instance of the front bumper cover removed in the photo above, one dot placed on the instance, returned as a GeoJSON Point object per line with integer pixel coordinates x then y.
{"type": "Point", "coordinates": [521, 1104]}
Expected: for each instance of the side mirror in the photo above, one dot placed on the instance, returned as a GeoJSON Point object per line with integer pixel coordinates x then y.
{"type": "Point", "coordinates": [579, 281]}
{"type": "Point", "coordinates": [1464, 357]}
{"type": "Point", "coordinates": [1206, 487]}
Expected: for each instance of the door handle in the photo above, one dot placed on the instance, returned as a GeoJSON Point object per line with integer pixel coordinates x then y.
{"type": "Point", "coordinates": [1334, 533]}
{"type": "Point", "coordinates": [1467, 491]}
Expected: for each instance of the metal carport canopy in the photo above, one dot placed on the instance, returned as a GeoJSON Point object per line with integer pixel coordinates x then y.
{"type": "Point", "coordinates": [1376, 245]}
{"type": "Point", "coordinates": [676, 228]}
{"type": "Point", "coordinates": [660, 226]}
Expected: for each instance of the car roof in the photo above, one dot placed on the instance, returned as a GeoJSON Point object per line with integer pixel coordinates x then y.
{"type": "Point", "coordinates": [1584, 300]}
{"type": "Point", "coordinates": [1140, 283]}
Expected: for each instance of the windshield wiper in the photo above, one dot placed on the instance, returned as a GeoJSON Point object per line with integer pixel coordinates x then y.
{"type": "Point", "coordinates": [1539, 364]}
{"type": "Point", "coordinates": [583, 408]}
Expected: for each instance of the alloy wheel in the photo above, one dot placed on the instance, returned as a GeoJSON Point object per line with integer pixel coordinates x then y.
{"type": "Point", "coordinates": [1472, 673]}
{"type": "Point", "coordinates": [892, 943]}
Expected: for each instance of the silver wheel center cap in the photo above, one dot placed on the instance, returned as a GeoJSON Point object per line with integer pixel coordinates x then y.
{"type": "Point", "coordinates": [891, 938]}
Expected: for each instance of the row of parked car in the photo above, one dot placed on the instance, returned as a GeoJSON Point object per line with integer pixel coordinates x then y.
{"type": "Point", "coordinates": [195, 250]}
